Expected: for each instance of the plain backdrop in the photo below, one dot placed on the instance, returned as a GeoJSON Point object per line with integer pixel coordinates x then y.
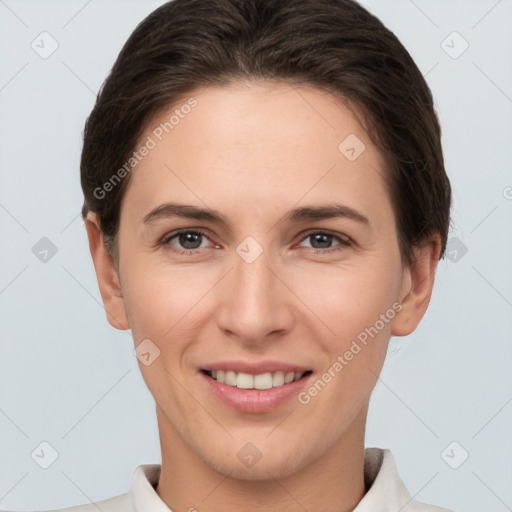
{"type": "Point", "coordinates": [443, 404]}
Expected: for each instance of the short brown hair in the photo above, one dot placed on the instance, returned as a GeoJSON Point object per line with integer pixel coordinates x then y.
{"type": "Point", "coordinates": [333, 45]}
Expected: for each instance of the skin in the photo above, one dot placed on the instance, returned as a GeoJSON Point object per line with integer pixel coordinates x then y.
{"type": "Point", "coordinates": [253, 151]}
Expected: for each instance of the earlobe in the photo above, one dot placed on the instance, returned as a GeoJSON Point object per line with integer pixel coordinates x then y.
{"type": "Point", "coordinates": [417, 287]}
{"type": "Point", "coordinates": [106, 274]}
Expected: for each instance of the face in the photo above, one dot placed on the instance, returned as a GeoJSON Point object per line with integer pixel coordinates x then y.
{"type": "Point", "coordinates": [292, 272]}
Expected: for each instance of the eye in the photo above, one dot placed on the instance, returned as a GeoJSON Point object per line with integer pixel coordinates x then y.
{"type": "Point", "coordinates": [190, 239]}
{"type": "Point", "coordinates": [324, 239]}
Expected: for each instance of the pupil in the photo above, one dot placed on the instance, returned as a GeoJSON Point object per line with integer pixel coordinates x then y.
{"type": "Point", "coordinates": [319, 237]}
{"type": "Point", "coordinates": [185, 238]}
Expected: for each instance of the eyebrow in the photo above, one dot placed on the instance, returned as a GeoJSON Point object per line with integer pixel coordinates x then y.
{"type": "Point", "coordinates": [294, 216]}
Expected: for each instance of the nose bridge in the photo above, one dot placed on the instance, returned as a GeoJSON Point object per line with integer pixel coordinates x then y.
{"type": "Point", "coordinates": [254, 303]}
{"type": "Point", "coordinates": [253, 278]}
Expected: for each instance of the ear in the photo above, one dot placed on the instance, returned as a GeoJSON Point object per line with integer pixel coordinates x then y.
{"type": "Point", "coordinates": [107, 275]}
{"type": "Point", "coordinates": [417, 286]}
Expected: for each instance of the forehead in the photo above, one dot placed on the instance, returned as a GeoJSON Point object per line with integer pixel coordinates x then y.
{"type": "Point", "coordinates": [264, 142]}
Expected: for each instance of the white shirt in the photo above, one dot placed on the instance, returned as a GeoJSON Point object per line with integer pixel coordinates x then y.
{"type": "Point", "coordinates": [387, 492]}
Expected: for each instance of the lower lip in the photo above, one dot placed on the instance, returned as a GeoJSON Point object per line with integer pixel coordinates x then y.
{"type": "Point", "coordinates": [255, 400]}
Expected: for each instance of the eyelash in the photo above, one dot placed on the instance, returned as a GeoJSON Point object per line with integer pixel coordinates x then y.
{"type": "Point", "coordinates": [344, 243]}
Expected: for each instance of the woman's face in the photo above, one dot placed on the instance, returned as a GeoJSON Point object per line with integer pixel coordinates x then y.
{"type": "Point", "coordinates": [261, 284]}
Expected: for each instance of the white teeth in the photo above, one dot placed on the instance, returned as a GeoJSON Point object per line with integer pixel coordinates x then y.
{"type": "Point", "coordinates": [230, 378]}
{"type": "Point", "coordinates": [244, 381]}
{"type": "Point", "coordinates": [261, 381]}
{"type": "Point", "coordinates": [278, 379]}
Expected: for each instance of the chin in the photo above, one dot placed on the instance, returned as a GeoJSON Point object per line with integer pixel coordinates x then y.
{"type": "Point", "coordinates": [264, 465]}
{"type": "Point", "coordinates": [259, 472]}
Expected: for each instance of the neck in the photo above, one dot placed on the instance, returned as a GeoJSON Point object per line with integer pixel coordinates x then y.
{"type": "Point", "coordinates": [335, 481]}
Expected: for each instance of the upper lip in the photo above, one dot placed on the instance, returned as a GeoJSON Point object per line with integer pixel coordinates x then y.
{"type": "Point", "coordinates": [255, 368]}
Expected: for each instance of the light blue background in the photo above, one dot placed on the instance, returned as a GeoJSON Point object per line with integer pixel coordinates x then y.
{"type": "Point", "coordinates": [68, 378]}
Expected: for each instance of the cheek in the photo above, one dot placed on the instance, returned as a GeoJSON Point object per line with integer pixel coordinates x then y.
{"type": "Point", "coordinates": [347, 298]}
{"type": "Point", "coordinates": [165, 308]}
{"type": "Point", "coordinates": [355, 303]}
{"type": "Point", "coordinates": [162, 298]}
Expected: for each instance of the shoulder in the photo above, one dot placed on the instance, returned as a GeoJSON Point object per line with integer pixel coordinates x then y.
{"type": "Point", "coordinates": [416, 506]}
{"type": "Point", "coordinates": [121, 503]}
{"type": "Point", "coordinates": [386, 491]}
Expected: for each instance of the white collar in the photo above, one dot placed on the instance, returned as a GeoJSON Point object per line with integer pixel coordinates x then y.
{"type": "Point", "coordinates": [386, 493]}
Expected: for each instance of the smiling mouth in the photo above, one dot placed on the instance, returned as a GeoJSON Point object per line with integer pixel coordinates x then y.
{"type": "Point", "coordinates": [261, 381]}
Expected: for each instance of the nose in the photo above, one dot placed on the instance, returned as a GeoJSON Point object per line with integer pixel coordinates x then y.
{"type": "Point", "coordinates": [255, 303]}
